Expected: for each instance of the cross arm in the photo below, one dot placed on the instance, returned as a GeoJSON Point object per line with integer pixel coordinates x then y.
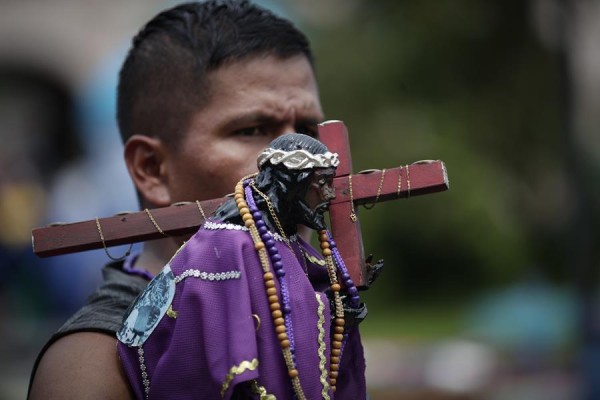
{"type": "Point", "coordinates": [123, 228]}
{"type": "Point", "coordinates": [183, 219]}
{"type": "Point", "coordinates": [366, 187]}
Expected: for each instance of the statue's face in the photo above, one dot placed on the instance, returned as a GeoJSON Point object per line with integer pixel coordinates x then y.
{"type": "Point", "coordinates": [320, 190]}
{"type": "Point", "coordinates": [316, 201]}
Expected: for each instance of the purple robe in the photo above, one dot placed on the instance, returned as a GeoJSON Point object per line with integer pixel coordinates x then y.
{"type": "Point", "coordinates": [215, 340]}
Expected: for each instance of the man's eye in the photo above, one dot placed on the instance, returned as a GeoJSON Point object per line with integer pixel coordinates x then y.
{"type": "Point", "coordinates": [249, 132]}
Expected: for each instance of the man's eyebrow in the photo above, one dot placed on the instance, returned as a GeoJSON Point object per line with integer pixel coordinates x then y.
{"type": "Point", "coordinates": [250, 118]}
{"type": "Point", "coordinates": [261, 117]}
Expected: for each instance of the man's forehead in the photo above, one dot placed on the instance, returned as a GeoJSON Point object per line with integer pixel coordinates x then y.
{"type": "Point", "coordinates": [267, 73]}
{"type": "Point", "coordinates": [262, 89]}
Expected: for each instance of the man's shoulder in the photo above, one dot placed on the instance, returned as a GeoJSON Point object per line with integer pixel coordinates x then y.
{"type": "Point", "coordinates": [105, 308]}
{"type": "Point", "coordinates": [81, 365]}
{"type": "Point", "coordinates": [94, 327]}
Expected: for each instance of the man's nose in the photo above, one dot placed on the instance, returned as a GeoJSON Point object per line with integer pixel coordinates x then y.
{"type": "Point", "coordinates": [283, 129]}
{"type": "Point", "coordinates": [288, 124]}
{"type": "Point", "coordinates": [288, 127]}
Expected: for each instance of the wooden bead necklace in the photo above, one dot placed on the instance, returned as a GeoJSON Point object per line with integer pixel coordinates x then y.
{"type": "Point", "coordinates": [269, 257]}
{"type": "Point", "coordinates": [258, 232]}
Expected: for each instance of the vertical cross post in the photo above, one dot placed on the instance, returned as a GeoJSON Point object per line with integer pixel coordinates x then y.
{"type": "Point", "coordinates": [345, 231]}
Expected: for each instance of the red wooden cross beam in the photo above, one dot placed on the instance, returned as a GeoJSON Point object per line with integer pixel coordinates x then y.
{"type": "Point", "coordinates": [185, 218]}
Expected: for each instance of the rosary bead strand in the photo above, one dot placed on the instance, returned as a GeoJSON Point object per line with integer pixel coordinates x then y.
{"type": "Point", "coordinates": [337, 337]}
{"type": "Point", "coordinates": [275, 257]}
{"type": "Point", "coordinates": [265, 246]}
{"type": "Point", "coordinates": [348, 282]}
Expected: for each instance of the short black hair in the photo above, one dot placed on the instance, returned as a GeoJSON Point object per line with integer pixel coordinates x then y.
{"type": "Point", "coordinates": [163, 81]}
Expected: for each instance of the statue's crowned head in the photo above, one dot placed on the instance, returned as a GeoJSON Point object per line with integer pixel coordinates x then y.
{"type": "Point", "coordinates": [295, 151]}
{"type": "Point", "coordinates": [297, 172]}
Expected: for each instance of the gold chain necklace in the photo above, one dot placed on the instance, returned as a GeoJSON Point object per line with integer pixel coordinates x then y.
{"type": "Point", "coordinates": [280, 227]}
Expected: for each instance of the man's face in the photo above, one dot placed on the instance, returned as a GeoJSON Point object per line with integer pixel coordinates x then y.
{"type": "Point", "coordinates": [252, 102]}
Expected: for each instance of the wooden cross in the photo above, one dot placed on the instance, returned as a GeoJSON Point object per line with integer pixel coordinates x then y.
{"type": "Point", "coordinates": [185, 218]}
{"type": "Point", "coordinates": [369, 187]}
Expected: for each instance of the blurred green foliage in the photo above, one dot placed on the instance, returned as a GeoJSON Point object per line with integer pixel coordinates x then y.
{"type": "Point", "coordinates": [470, 83]}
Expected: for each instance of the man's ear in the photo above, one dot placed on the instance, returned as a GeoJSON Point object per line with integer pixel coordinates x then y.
{"type": "Point", "coordinates": [146, 161]}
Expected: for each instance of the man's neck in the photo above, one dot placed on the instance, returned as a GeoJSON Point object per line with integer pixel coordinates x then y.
{"type": "Point", "coordinates": [157, 253]}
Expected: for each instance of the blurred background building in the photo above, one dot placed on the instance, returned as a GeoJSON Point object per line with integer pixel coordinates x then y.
{"type": "Point", "coordinates": [490, 290]}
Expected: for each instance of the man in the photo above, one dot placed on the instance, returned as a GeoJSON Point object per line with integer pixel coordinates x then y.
{"type": "Point", "coordinates": [204, 89]}
{"type": "Point", "coordinates": [247, 306]}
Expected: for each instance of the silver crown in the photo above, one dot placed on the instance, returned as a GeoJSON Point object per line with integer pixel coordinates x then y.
{"type": "Point", "coordinates": [298, 159]}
